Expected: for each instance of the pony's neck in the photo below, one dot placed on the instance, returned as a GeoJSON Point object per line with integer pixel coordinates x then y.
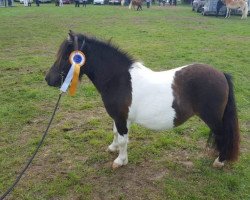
{"type": "Point", "coordinates": [106, 64]}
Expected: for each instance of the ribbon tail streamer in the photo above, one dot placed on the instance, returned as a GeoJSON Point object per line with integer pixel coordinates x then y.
{"type": "Point", "coordinates": [68, 79]}
{"type": "Point", "coordinates": [72, 89]}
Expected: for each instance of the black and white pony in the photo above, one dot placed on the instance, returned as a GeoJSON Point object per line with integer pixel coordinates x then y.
{"type": "Point", "coordinates": [133, 93]}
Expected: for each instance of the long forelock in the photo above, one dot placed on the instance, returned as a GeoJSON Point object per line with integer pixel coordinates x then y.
{"type": "Point", "coordinates": [61, 52]}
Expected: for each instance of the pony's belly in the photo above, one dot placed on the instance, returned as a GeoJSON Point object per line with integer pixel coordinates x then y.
{"type": "Point", "coordinates": [153, 112]}
{"type": "Point", "coordinates": [152, 98]}
{"type": "Point", "coordinates": [155, 122]}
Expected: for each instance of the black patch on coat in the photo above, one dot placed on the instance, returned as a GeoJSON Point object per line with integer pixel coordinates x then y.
{"type": "Point", "coordinates": [108, 69]}
{"type": "Point", "coordinates": [201, 90]}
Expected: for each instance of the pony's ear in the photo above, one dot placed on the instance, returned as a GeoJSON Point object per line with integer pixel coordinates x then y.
{"type": "Point", "coordinates": [71, 36]}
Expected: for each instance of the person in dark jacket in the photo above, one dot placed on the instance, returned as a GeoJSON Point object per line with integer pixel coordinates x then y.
{"type": "Point", "coordinates": [77, 3]}
{"type": "Point", "coordinates": [218, 7]}
{"type": "Point", "coordinates": [37, 3]}
{"type": "Point", "coordinates": [84, 3]}
{"type": "Point", "coordinates": [9, 3]}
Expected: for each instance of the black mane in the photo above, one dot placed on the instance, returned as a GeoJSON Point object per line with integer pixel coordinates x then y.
{"type": "Point", "coordinates": [110, 49]}
{"type": "Point", "coordinates": [104, 61]}
{"type": "Point", "coordinates": [103, 47]}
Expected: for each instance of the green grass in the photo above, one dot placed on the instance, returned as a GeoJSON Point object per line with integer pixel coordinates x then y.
{"type": "Point", "coordinates": [73, 163]}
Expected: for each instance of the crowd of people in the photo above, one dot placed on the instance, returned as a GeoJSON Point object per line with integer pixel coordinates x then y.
{"type": "Point", "coordinates": [77, 3]}
{"type": "Point", "coordinates": [168, 2]}
{"type": "Point", "coordinates": [28, 3]}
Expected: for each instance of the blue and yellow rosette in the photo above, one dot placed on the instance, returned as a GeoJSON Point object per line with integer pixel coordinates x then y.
{"type": "Point", "coordinates": [77, 59]}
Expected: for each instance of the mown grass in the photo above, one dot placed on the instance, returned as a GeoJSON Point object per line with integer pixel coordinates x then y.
{"type": "Point", "coordinates": [73, 163]}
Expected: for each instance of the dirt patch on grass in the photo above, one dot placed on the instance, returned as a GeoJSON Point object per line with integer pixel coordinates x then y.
{"type": "Point", "coordinates": [145, 181]}
{"type": "Point", "coordinates": [69, 161]}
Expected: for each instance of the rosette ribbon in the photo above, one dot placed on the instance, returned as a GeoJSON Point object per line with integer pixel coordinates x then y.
{"type": "Point", "coordinates": [77, 59]}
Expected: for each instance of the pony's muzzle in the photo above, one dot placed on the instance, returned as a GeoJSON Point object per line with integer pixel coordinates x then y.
{"type": "Point", "coordinates": [53, 80]}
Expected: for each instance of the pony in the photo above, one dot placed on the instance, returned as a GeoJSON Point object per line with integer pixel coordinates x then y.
{"type": "Point", "coordinates": [133, 93]}
{"type": "Point", "coordinates": [137, 3]}
{"type": "Point", "coordinates": [237, 4]}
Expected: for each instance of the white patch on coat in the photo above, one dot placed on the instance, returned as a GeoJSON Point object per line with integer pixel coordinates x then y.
{"type": "Point", "coordinates": [114, 145]}
{"type": "Point", "coordinates": [122, 158]}
{"type": "Point", "coordinates": [120, 143]}
{"type": "Point", "coordinates": [152, 97]}
{"type": "Point", "coordinates": [218, 164]}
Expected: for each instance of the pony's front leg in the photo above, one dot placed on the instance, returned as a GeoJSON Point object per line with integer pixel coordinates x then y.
{"type": "Point", "coordinates": [114, 145]}
{"type": "Point", "coordinates": [228, 12]}
{"type": "Point", "coordinates": [122, 158]}
{"type": "Point", "coordinates": [122, 140]}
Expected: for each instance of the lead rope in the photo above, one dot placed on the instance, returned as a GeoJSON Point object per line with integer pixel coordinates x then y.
{"type": "Point", "coordinates": [34, 154]}
{"type": "Point", "coordinates": [77, 59]}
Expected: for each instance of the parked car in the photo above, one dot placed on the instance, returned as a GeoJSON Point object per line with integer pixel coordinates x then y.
{"type": "Point", "coordinates": [21, 1]}
{"type": "Point", "coordinates": [198, 5]}
{"type": "Point", "coordinates": [45, 1]}
{"type": "Point", "coordinates": [209, 8]}
{"type": "Point", "coordinates": [67, 1]}
{"type": "Point", "coordinates": [100, 2]}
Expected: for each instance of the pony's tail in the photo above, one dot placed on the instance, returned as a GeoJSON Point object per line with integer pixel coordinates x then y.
{"type": "Point", "coordinates": [230, 129]}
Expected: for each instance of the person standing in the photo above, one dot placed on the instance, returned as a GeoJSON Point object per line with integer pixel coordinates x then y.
{"type": "Point", "coordinates": [148, 3]}
{"type": "Point", "coordinates": [84, 3]}
{"type": "Point", "coordinates": [25, 3]}
{"type": "Point", "coordinates": [9, 3]}
{"type": "Point", "coordinates": [77, 3]}
{"type": "Point", "coordinates": [218, 7]}
{"type": "Point", "coordinates": [60, 2]}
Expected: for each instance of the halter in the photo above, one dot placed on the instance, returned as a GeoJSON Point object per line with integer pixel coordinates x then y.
{"type": "Point", "coordinates": [77, 59]}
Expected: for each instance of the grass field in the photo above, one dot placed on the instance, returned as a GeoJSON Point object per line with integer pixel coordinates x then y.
{"type": "Point", "coordinates": [73, 162]}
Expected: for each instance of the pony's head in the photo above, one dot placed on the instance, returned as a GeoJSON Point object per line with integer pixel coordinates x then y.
{"type": "Point", "coordinates": [61, 66]}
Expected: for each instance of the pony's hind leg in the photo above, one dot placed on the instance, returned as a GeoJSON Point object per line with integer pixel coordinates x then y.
{"type": "Point", "coordinates": [245, 12]}
{"type": "Point", "coordinates": [217, 141]}
{"type": "Point", "coordinates": [122, 141]}
{"type": "Point", "coordinates": [213, 118]}
{"type": "Point", "coordinates": [114, 145]}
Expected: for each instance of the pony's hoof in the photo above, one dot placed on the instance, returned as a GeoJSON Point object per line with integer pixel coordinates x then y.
{"type": "Point", "coordinates": [116, 166]}
{"type": "Point", "coordinates": [218, 164]}
{"type": "Point", "coordinates": [119, 163]}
